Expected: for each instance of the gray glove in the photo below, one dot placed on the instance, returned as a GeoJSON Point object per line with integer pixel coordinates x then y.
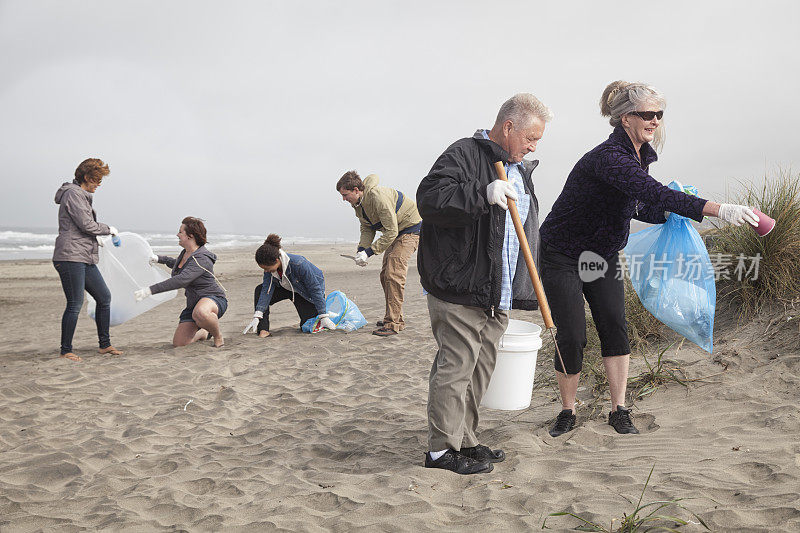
{"type": "Point", "coordinates": [253, 325]}
{"type": "Point", "coordinates": [737, 214]}
{"type": "Point", "coordinates": [141, 294]}
{"type": "Point", "coordinates": [498, 190]}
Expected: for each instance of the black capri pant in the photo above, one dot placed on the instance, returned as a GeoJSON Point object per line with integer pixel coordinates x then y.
{"type": "Point", "coordinates": [565, 293]}
{"type": "Point", "coordinates": [305, 309]}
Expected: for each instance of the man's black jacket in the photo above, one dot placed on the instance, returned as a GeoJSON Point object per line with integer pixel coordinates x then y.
{"type": "Point", "coordinates": [461, 241]}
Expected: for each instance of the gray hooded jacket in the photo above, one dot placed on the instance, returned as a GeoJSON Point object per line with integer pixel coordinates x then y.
{"type": "Point", "coordinates": [77, 226]}
{"type": "Point", "coordinates": [196, 276]}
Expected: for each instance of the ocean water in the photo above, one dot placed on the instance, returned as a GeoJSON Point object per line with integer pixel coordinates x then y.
{"type": "Point", "coordinates": [38, 243]}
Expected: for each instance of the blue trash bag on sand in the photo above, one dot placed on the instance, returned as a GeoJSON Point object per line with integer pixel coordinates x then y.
{"type": "Point", "coordinates": [673, 276]}
{"type": "Point", "coordinates": [342, 312]}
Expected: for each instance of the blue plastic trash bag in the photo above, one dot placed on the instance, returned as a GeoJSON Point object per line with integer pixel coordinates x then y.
{"type": "Point", "coordinates": [342, 312]}
{"type": "Point", "coordinates": [673, 276]}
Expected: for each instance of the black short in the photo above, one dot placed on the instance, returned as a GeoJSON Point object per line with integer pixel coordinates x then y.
{"type": "Point", "coordinates": [565, 293]}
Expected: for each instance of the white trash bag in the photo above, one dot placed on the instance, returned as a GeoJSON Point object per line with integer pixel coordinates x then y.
{"type": "Point", "coordinates": [125, 269]}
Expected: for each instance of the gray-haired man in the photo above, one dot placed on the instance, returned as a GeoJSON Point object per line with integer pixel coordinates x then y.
{"type": "Point", "coordinates": [470, 265]}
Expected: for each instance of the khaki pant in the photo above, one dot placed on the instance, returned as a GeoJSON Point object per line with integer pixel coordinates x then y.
{"type": "Point", "coordinates": [393, 278]}
{"type": "Point", "coordinates": [467, 338]}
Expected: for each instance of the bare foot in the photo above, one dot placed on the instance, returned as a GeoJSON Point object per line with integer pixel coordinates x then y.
{"type": "Point", "coordinates": [263, 333]}
{"type": "Point", "coordinates": [110, 350]}
{"type": "Point", "coordinates": [72, 357]}
{"type": "Point", "coordinates": [219, 342]}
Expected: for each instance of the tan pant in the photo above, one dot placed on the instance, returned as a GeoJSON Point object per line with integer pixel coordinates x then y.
{"type": "Point", "coordinates": [467, 338]}
{"type": "Point", "coordinates": [393, 278]}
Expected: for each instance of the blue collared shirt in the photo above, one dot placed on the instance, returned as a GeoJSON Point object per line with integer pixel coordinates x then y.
{"type": "Point", "coordinates": [510, 240]}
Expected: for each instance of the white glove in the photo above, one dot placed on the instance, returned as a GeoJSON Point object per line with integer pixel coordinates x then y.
{"type": "Point", "coordinates": [99, 240]}
{"type": "Point", "coordinates": [361, 258]}
{"type": "Point", "coordinates": [253, 325]}
{"type": "Point", "coordinates": [497, 191]}
{"type": "Point", "coordinates": [141, 294]}
{"type": "Point", "coordinates": [112, 230]}
{"type": "Point", "coordinates": [737, 214]}
{"type": "Point", "coordinates": [327, 323]}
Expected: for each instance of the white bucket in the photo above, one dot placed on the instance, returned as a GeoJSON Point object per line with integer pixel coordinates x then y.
{"type": "Point", "coordinates": [512, 381]}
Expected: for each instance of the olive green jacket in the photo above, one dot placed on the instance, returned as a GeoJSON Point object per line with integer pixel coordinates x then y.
{"type": "Point", "coordinates": [376, 212]}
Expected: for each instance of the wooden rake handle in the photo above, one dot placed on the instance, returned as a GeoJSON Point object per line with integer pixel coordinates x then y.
{"type": "Point", "coordinates": [526, 252]}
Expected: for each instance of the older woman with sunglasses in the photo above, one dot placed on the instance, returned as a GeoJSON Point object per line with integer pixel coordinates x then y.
{"type": "Point", "coordinates": [608, 187]}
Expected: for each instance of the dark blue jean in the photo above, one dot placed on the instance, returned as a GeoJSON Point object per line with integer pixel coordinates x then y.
{"type": "Point", "coordinates": [75, 277]}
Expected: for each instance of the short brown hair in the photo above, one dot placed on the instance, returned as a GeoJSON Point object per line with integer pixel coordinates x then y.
{"type": "Point", "coordinates": [350, 181]}
{"type": "Point", "coordinates": [93, 170]}
{"type": "Point", "coordinates": [195, 228]}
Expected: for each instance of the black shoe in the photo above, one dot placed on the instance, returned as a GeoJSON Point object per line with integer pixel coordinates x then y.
{"type": "Point", "coordinates": [565, 421]}
{"type": "Point", "coordinates": [620, 420]}
{"type": "Point", "coordinates": [460, 464]}
{"type": "Point", "coordinates": [379, 323]}
{"type": "Point", "coordinates": [484, 454]}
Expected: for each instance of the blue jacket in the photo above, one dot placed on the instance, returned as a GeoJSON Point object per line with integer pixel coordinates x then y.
{"type": "Point", "coordinates": [305, 278]}
{"type": "Point", "coordinates": [606, 189]}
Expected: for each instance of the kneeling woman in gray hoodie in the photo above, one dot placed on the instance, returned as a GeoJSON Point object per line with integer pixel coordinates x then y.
{"type": "Point", "coordinates": [194, 271]}
{"type": "Point", "coordinates": [75, 255]}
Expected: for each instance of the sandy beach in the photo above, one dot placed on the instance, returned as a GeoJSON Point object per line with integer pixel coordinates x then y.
{"type": "Point", "coordinates": [327, 432]}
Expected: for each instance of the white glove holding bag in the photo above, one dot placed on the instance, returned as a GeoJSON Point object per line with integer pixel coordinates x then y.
{"type": "Point", "coordinates": [498, 190]}
{"type": "Point", "coordinates": [113, 231]}
{"type": "Point", "coordinates": [253, 325]}
{"type": "Point", "coordinates": [737, 214]}
{"type": "Point", "coordinates": [141, 294]}
{"type": "Point", "coordinates": [327, 323]}
{"type": "Point", "coordinates": [361, 258]}
{"type": "Point", "coordinates": [153, 260]}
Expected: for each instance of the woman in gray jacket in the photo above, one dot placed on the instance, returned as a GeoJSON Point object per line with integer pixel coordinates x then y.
{"type": "Point", "coordinates": [193, 270]}
{"type": "Point", "coordinates": [75, 256]}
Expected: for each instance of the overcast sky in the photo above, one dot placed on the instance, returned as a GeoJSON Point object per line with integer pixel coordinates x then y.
{"type": "Point", "coordinates": [247, 113]}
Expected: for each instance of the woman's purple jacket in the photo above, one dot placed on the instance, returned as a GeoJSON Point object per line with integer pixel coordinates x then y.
{"type": "Point", "coordinates": [605, 190]}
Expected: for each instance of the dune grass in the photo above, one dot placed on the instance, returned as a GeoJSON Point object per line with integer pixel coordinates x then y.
{"type": "Point", "coordinates": [779, 265]}
{"type": "Point", "coordinates": [643, 517]}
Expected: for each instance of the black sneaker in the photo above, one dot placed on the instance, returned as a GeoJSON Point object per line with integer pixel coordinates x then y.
{"type": "Point", "coordinates": [379, 323]}
{"type": "Point", "coordinates": [565, 421]}
{"type": "Point", "coordinates": [460, 464]}
{"type": "Point", "coordinates": [620, 420]}
{"type": "Point", "coordinates": [484, 454]}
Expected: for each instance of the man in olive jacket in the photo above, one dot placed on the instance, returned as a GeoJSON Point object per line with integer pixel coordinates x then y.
{"type": "Point", "coordinates": [395, 216]}
{"type": "Point", "coordinates": [471, 267]}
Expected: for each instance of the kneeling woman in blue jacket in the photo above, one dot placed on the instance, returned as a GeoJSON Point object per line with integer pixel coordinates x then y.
{"type": "Point", "coordinates": [287, 277]}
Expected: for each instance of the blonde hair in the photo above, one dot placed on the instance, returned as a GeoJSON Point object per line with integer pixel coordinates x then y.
{"type": "Point", "coordinates": [621, 97]}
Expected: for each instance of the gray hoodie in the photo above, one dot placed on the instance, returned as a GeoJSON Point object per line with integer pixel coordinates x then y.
{"type": "Point", "coordinates": [77, 226]}
{"type": "Point", "coordinates": [196, 276]}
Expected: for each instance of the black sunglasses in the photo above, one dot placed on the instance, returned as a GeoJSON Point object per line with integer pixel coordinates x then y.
{"type": "Point", "coordinates": [648, 115]}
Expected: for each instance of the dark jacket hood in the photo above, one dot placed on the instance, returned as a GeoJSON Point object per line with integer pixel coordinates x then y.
{"type": "Point", "coordinates": [71, 185]}
{"type": "Point", "coordinates": [205, 252]}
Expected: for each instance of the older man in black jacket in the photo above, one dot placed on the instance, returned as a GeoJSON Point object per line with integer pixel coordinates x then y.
{"type": "Point", "coordinates": [470, 266]}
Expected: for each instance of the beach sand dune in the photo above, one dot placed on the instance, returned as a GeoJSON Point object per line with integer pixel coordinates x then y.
{"type": "Point", "coordinates": [327, 432]}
